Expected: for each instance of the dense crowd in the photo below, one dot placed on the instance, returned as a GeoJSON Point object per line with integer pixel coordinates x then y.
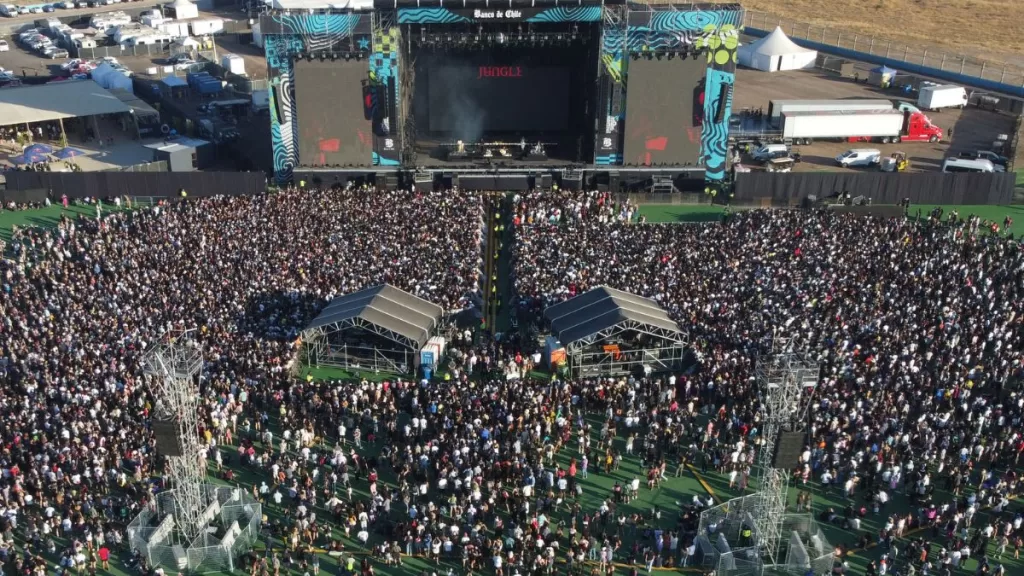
{"type": "Point", "coordinates": [918, 329]}
{"type": "Point", "coordinates": [80, 305]}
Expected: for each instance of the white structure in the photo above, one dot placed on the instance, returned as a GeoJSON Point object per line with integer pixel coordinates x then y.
{"type": "Point", "coordinates": [776, 52]}
{"type": "Point", "coordinates": [111, 78]}
{"type": "Point", "coordinates": [233, 63]}
{"type": "Point", "coordinates": [183, 9]}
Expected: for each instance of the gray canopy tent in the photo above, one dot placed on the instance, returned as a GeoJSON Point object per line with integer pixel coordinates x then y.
{"type": "Point", "coordinates": [379, 328]}
{"type": "Point", "coordinates": [609, 332]}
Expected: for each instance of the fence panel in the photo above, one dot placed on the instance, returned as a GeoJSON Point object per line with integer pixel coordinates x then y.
{"type": "Point", "coordinates": [992, 70]}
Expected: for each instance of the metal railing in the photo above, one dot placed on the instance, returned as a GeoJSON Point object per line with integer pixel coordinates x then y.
{"type": "Point", "coordinates": [118, 51]}
{"type": "Point", "coordinates": [992, 70]}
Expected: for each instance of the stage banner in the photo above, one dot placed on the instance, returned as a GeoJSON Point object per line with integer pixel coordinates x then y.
{"type": "Point", "coordinates": [611, 100]}
{"type": "Point", "coordinates": [383, 97]}
{"type": "Point", "coordinates": [290, 35]}
{"type": "Point", "coordinates": [436, 15]}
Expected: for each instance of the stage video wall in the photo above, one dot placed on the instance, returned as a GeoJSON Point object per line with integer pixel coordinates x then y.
{"type": "Point", "coordinates": [334, 128]}
{"type": "Point", "coordinates": [468, 100]}
{"type": "Point", "coordinates": [663, 112]}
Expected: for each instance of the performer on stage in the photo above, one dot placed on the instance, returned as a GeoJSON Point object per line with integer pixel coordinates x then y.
{"type": "Point", "coordinates": [460, 147]}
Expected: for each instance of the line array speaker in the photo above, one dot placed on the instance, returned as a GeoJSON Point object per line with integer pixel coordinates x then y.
{"type": "Point", "coordinates": [723, 100]}
{"type": "Point", "coordinates": [788, 449]}
{"type": "Point", "coordinates": [165, 431]}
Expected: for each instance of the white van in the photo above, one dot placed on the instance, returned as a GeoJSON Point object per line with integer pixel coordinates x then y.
{"type": "Point", "coordinates": [969, 165]}
{"type": "Point", "coordinates": [768, 152]}
{"type": "Point", "coordinates": [859, 157]}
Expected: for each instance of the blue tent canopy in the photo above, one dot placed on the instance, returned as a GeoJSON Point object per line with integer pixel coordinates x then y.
{"type": "Point", "coordinates": [65, 153]}
{"type": "Point", "coordinates": [38, 149]}
{"type": "Point", "coordinates": [28, 158]}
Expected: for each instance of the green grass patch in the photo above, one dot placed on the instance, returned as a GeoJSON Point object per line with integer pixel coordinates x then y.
{"type": "Point", "coordinates": [994, 213]}
{"type": "Point", "coordinates": [668, 213]}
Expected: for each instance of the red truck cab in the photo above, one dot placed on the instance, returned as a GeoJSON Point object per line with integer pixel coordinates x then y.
{"type": "Point", "coordinates": [919, 128]}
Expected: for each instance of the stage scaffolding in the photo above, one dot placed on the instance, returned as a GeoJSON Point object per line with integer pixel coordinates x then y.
{"type": "Point", "coordinates": [380, 328]}
{"type": "Point", "coordinates": [780, 543]}
{"type": "Point", "coordinates": [608, 332]}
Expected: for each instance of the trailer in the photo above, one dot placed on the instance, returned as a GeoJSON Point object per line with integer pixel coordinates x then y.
{"type": "Point", "coordinates": [776, 108]}
{"type": "Point", "coordinates": [859, 126]}
{"type": "Point", "coordinates": [933, 97]}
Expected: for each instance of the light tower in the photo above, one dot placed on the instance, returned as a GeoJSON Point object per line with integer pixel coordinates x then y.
{"type": "Point", "coordinates": [786, 379]}
{"type": "Point", "coordinates": [191, 526]}
{"type": "Point", "coordinates": [175, 365]}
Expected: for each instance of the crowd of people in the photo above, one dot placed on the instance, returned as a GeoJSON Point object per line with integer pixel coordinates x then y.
{"type": "Point", "coordinates": [918, 329]}
{"type": "Point", "coordinates": [80, 305]}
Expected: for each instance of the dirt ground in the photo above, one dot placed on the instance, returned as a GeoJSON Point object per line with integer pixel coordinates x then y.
{"type": "Point", "coordinates": [956, 25]}
{"type": "Point", "coordinates": [972, 128]}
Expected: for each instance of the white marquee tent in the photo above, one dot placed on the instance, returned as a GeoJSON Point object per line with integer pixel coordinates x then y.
{"type": "Point", "coordinates": [776, 52]}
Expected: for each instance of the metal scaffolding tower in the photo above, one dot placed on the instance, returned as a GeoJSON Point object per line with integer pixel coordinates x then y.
{"type": "Point", "coordinates": [175, 364]}
{"type": "Point", "coordinates": [786, 378]}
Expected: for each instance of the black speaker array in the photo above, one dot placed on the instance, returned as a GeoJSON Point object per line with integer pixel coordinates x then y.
{"type": "Point", "coordinates": [277, 104]}
{"type": "Point", "coordinates": [723, 99]}
{"type": "Point", "coordinates": [613, 182]}
{"type": "Point", "coordinates": [788, 449]}
{"type": "Point", "coordinates": [165, 430]}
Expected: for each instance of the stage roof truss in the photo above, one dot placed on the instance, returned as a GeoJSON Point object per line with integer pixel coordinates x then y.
{"type": "Point", "coordinates": [382, 310]}
{"type": "Point", "coordinates": [604, 313]}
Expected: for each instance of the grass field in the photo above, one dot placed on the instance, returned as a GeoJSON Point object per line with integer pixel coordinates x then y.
{"type": "Point", "coordinates": [599, 484]}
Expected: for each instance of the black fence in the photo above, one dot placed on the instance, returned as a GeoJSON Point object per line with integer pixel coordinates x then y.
{"type": "Point", "coordinates": [882, 188]}
{"type": "Point", "coordinates": [36, 186]}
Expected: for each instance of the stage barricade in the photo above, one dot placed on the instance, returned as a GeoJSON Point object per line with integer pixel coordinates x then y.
{"type": "Point", "coordinates": [36, 186]}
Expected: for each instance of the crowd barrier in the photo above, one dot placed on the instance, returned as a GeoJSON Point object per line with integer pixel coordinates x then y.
{"type": "Point", "coordinates": [24, 187]}
{"type": "Point", "coordinates": [881, 188]}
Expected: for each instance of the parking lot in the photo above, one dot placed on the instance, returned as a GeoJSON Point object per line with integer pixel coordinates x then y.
{"type": "Point", "coordinates": [971, 128]}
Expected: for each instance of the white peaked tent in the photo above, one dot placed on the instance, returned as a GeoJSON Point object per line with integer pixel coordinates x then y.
{"type": "Point", "coordinates": [776, 52]}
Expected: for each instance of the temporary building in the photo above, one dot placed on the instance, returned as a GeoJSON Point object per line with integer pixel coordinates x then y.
{"type": "Point", "coordinates": [111, 78]}
{"type": "Point", "coordinates": [776, 52]}
{"type": "Point", "coordinates": [183, 9]}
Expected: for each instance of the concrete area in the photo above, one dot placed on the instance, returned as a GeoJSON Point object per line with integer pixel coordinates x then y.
{"type": "Point", "coordinates": [120, 152]}
{"type": "Point", "coordinates": [972, 128]}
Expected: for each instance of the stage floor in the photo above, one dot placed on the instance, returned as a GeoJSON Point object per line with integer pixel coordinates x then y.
{"type": "Point", "coordinates": [430, 153]}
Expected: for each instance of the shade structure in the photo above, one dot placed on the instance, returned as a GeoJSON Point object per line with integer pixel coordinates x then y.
{"type": "Point", "coordinates": [27, 158]}
{"type": "Point", "coordinates": [380, 328]}
{"type": "Point", "coordinates": [776, 52]}
{"type": "Point", "coordinates": [65, 153]}
{"type": "Point", "coordinates": [38, 149]}
{"type": "Point", "coordinates": [607, 331]}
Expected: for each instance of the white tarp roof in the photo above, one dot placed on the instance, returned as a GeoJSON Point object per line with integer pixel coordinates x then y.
{"type": "Point", "coordinates": [67, 99]}
{"type": "Point", "coordinates": [776, 44]}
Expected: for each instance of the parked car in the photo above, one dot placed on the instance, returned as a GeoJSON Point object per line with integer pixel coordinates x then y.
{"type": "Point", "coordinates": [35, 10]}
{"type": "Point", "coordinates": [58, 53]}
{"type": "Point", "coordinates": [859, 157]}
{"type": "Point", "coordinates": [985, 155]}
{"type": "Point", "coordinates": [770, 152]}
{"type": "Point", "coordinates": [952, 165]}
{"type": "Point", "coordinates": [24, 10]}
{"type": "Point", "coordinates": [48, 8]}
{"type": "Point", "coordinates": [4, 46]}
{"type": "Point", "coordinates": [71, 64]}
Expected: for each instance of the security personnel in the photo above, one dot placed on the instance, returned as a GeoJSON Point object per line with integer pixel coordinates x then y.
{"type": "Point", "coordinates": [745, 535]}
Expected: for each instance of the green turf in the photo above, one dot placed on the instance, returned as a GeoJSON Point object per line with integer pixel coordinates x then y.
{"type": "Point", "coordinates": [993, 213]}
{"type": "Point", "coordinates": [1020, 178]}
{"type": "Point", "coordinates": [667, 213]}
